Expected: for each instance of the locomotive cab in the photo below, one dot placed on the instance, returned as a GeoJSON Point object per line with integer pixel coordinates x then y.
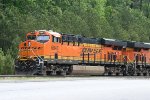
{"type": "Point", "coordinates": [33, 47]}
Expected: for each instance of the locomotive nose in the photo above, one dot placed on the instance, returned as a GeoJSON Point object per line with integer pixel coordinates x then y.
{"type": "Point", "coordinates": [31, 45]}
{"type": "Point", "coordinates": [30, 49]}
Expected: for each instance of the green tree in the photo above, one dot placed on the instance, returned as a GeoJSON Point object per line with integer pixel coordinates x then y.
{"type": "Point", "coordinates": [9, 64]}
{"type": "Point", "coordinates": [2, 61]}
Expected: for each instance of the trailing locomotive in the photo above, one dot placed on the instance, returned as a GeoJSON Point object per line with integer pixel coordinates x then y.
{"type": "Point", "coordinates": [51, 53]}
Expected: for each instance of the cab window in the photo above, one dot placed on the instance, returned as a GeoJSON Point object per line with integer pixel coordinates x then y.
{"type": "Point", "coordinates": [55, 39]}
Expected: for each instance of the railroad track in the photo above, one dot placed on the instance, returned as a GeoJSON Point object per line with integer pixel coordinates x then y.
{"type": "Point", "coordinates": [71, 76]}
{"type": "Point", "coordinates": [46, 76]}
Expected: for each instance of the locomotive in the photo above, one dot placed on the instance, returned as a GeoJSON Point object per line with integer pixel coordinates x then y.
{"type": "Point", "coordinates": [51, 53]}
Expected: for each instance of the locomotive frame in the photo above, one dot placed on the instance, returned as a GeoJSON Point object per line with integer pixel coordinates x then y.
{"type": "Point", "coordinates": [51, 53]}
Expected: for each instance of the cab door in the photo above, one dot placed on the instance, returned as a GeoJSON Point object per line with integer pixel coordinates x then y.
{"type": "Point", "coordinates": [56, 47]}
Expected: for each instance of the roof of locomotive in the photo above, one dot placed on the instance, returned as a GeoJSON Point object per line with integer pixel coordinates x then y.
{"type": "Point", "coordinates": [42, 32]}
{"type": "Point", "coordinates": [134, 44]}
{"type": "Point", "coordinates": [54, 33]}
{"type": "Point", "coordinates": [113, 42]}
{"type": "Point", "coordinates": [103, 41]}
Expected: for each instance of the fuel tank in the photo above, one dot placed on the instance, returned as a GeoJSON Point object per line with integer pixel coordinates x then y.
{"type": "Point", "coordinates": [87, 70]}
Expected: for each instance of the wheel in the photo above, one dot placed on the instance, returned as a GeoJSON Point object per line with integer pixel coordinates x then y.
{"type": "Point", "coordinates": [144, 74]}
{"type": "Point", "coordinates": [53, 73]}
{"type": "Point", "coordinates": [117, 74]}
{"type": "Point", "coordinates": [125, 73]}
{"type": "Point", "coordinates": [138, 74]}
{"type": "Point", "coordinates": [109, 73]}
{"type": "Point", "coordinates": [61, 73]}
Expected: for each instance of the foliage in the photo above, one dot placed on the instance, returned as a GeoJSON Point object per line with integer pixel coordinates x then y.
{"type": "Point", "coordinates": [2, 59]}
{"type": "Point", "coordinates": [6, 63]}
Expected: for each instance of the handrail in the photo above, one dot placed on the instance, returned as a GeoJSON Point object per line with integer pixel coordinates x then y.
{"type": "Point", "coordinates": [39, 58]}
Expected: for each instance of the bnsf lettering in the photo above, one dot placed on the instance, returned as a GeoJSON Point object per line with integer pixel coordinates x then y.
{"type": "Point", "coordinates": [90, 50]}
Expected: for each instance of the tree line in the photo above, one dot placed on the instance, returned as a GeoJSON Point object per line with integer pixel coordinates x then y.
{"type": "Point", "coordinates": [118, 19]}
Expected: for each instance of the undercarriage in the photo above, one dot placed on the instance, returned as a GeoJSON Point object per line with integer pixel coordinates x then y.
{"type": "Point", "coordinates": [39, 67]}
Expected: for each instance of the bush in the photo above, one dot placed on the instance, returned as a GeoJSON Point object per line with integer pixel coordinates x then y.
{"type": "Point", "coordinates": [2, 59]}
{"type": "Point", "coordinates": [6, 63]}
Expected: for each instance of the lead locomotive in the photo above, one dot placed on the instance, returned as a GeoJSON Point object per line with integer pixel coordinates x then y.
{"type": "Point", "coordinates": [51, 53]}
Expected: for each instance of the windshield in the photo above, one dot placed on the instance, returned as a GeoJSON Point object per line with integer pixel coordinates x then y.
{"type": "Point", "coordinates": [39, 38]}
{"type": "Point", "coordinates": [42, 38]}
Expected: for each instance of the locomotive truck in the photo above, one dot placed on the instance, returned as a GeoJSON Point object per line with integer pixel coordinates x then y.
{"type": "Point", "coordinates": [51, 53]}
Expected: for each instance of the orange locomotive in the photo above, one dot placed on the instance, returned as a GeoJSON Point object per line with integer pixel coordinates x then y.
{"type": "Point", "coordinates": [51, 53]}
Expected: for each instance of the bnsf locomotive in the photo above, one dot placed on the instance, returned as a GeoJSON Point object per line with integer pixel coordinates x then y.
{"type": "Point", "coordinates": [51, 53]}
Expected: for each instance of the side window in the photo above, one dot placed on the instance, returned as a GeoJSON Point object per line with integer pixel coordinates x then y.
{"type": "Point", "coordinates": [55, 39]}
